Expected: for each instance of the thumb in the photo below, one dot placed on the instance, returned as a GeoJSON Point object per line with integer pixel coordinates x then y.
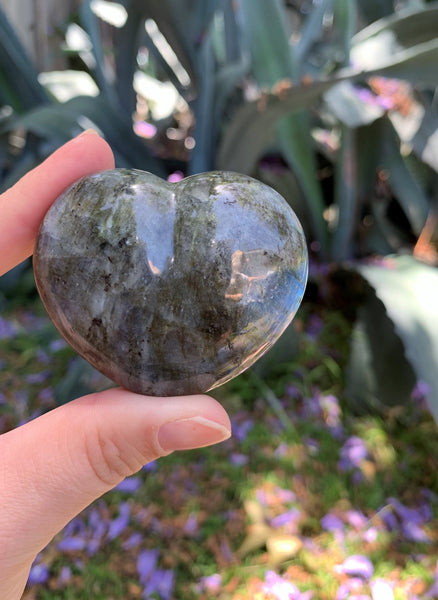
{"type": "Point", "coordinates": [54, 466]}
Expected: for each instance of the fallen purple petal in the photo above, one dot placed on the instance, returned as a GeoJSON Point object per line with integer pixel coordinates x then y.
{"type": "Point", "coordinates": [238, 459]}
{"type": "Point", "coordinates": [331, 522]}
{"type": "Point", "coordinates": [279, 588]}
{"type": "Point", "coordinates": [134, 540]}
{"type": "Point", "coordinates": [72, 544]}
{"type": "Point", "coordinates": [38, 574]}
{"type": "Point", "coordinates": [210, 584]}
{"type": "Point", "coordinates": [64, 577]}
{"type": "Point", "coordinates": [357, 565]}
{"type": "Point", "coordinates": [353, 453]}
{"type": "Point", "coordinates": [146, 564]}
{"type": "Point", "coordinates": [191, 526]}
{"type": "Point", "coordinates": [8, 329]}
{"type": "Point", "coordinates": [289, 517]}
{"type": "Point", "coordinates": [129, 485]}
{"type": "Point", "coordinates": [120, 523]}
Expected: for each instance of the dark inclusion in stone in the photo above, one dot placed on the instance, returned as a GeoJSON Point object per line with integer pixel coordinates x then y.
{"type": "Point", "coordinates": [170, 289]}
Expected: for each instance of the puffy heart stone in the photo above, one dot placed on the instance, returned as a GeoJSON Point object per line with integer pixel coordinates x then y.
{"type": "Point", "coordinates": [170, 288]}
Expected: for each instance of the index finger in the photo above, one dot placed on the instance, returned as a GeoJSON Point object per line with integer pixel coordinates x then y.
{"type": "Point", "coordinates": [22, 207]}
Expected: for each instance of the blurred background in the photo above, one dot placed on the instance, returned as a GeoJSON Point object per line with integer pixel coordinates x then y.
{"type": "Point", "coordinates": [328, 488]}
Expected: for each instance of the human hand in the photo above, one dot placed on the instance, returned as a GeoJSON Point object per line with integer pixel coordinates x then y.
{"type": "Point", "coordinates": [53, 467]}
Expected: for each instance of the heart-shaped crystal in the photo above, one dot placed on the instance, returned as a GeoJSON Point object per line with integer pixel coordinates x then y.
{"type": "Point", "coordinates": [170, 288]}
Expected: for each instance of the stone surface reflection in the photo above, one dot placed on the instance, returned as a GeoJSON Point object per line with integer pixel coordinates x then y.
{"type": "Point", "coordinates": [166, 288]}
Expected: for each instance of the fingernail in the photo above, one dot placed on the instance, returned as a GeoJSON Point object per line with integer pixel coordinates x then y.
{"type": "Point", "coordinates": [88, 132]}
{"type": "Point", "coordinates": [194, 432]}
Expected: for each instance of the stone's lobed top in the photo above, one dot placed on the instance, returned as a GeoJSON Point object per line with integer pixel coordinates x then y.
{"type": "Point", "coordinates": [170, 289]}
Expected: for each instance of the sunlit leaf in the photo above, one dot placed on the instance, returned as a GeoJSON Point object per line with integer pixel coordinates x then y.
{"type": "Point", "coordinates": [378, 374]}
{"type": "Point", "coordinates": [403, 45]}
{"type": "Point", "coordinates": [408, 290]}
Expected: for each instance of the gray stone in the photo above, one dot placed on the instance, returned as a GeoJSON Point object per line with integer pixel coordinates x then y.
{"type": "Point", "coordinates": [170, 289]}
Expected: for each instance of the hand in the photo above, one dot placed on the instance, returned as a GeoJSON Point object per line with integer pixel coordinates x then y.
{"type": "Point", "coordinates": [54, 466]}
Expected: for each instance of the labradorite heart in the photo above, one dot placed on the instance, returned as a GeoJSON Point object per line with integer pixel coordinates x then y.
{"type": "Point", "coordinates": [170, 288]}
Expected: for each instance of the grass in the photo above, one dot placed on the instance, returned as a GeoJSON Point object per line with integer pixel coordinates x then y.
{"type": "Point", "coordinates": [281, 504]}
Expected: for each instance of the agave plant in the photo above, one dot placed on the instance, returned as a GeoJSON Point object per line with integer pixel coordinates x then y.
{"type": "Point", "coordinates": [331, 102]}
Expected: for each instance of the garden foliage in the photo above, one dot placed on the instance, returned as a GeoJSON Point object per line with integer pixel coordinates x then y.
{"type": "Point", "coordinates": [335, 107]}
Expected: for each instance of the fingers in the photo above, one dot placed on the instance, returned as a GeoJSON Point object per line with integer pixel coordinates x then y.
{"type": "Point", "coordinates": [22, 207]}
{"type": "Point", "coordinates": [53, 467]}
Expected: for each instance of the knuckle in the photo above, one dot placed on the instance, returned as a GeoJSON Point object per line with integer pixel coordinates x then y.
{"type": "Point", "coordinates": [111, 460]}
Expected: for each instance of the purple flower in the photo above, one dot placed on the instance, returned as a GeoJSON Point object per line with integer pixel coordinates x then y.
{"type": "Point", "coordinates": [279, 588]}
{"type": "Point", "coordinates": [145, 129]}
{"type": "Point", "coordinates": [281, 450]}
{"type": "Point", "coordinates": [71, 544]}
{"type": "Point", "coordinates": [421, 391]}
{"type": "Point", "coordinates": [241, 430]}
{"type": "Point", "coordinates": [46, 395]}
{"type": "Point", "coordinates": [191, 526]}
{"type": "Point", "coordinates": [356, 519]}
{"type": "Point", "coordinates": [408, 520]}
{"type": "Point", "coordinates": [129, 485]}
{"type": "Point", "coordinates": [38, 574]}
{"type": "Point", "coordinates": [42, 356]}
{"type": "Point", "coordinates": [150, 466]}
{"type": "Point", "coordinates": [135, 539]}
{"type": "Point", "coordinates": [414, 533]}
{"type": "Point", "coordinates": [175, 177]}
{"type": "Point", "coordinates": [8, 329]}
{"type": "Point", "coordinates": [331, 522]}
{"type": "Point", "coordinates": [64, 576]}
{"type": "Point", "coordinates": [226, 551]}
{"type": "Point", "coordinates": [97, 528]}
{"type": "Point", "coordinates": [357, 566]}
{"type": "Point", "coordinates": [57, 345]}
{"type": "Point", "coordinates": [365, 95]}
{"type": "Point", "coordinates": [120, 523]}
{"type": "Point", "coordinates": [146, 564]}
{"type": "Point", "coordinates": [237, 459]}
{"type": "Point", "coordinates": [37, 378]}
{"type": "Point", "coordinates": [312, 445]}
{"type": "Point", "coordinates": [153, 580]}
{"type": "Point", "coordinates": [289, 518]}
{"type": "Point", "coordinates": [314, 326]}
{"type": "Point", "coordinates": [370, 535]}
{"type": "Point", "coordinates": [166, 582]}
{"type": "Point", "coordinates": [381, 590]}
{"type": "Point", "coordinates": [284, 495]}
{"type": "Point", "coordinates": [161, 583]}
{"type": "Point", "coordinates": [210, 584]}
{"type": "Point", "coordinates": [353, 453]}
{"type": "Point", "coordinates": [349, 589]}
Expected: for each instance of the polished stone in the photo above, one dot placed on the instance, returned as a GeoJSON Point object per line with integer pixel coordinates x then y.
{"type": "Point", "coordinates": [170, 288]}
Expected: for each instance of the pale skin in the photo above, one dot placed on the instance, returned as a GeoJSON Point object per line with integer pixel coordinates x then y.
{"type": "Point", "coordinates": [56, 465]}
